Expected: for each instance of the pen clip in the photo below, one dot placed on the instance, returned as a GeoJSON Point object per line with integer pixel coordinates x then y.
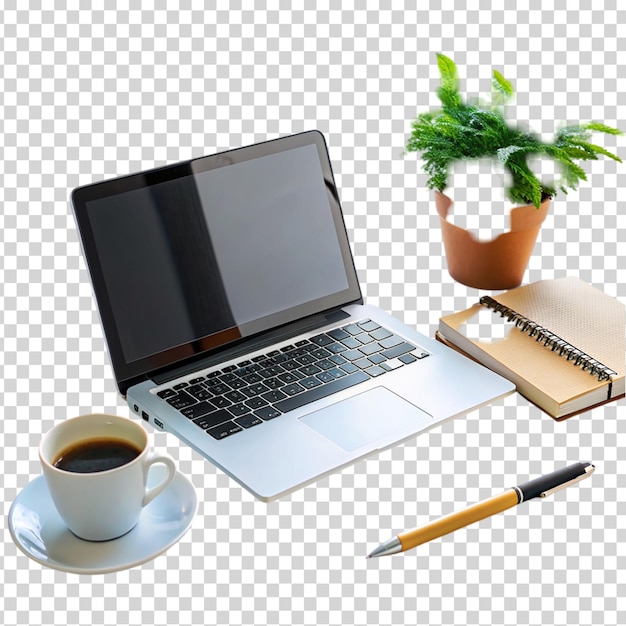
{"type": "Point", "coordinates": [588, 471]}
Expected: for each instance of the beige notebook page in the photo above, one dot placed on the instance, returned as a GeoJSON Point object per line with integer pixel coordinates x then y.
{"type": "Point", "coordinates": [578, 313]}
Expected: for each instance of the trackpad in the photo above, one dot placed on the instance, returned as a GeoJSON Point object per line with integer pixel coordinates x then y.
{"type": "Point", "coordinates": [362, 419]}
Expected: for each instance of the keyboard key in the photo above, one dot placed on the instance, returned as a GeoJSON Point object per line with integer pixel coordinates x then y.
{"type": "Point", "coordinates": [269, 372]}
{"type": "Point", "coordinates": [371, 348]}
{"type": "Point", "coordinates": [294, 354]}
{"type": "Point", "coordinates": [407, 358]}
{"type": "Point", "coordinates": [166, 393]}
{"type": "Point", "coordinates": [309, 370]}
{"type": "Point", "coordinates": [254, 390]}
{"type": "Point", "coordinates": [248, 421]}
{"type": "Point", "coordinates": [336, 373]}
{"type": "Point", "coordinates": [394, 364]}
{"type": "Point", "coordinates": [338, 334]}
{"type": "Point", "coordinates": [274, 396]}
{"type": "Point", "coordinates": [321, 353]}
{"type": "Point", "coordinates": [216, 387]}
{"type": "Point", "coordinates": [322, 340]}
{"type": "Point", "coordinates": [310, 382]}
{"type": "Point", "coordinates": [199, 392]}
{"type": "Point", "coordinates": [336, 348]}
{"type": "Point", "coordinates": [368, 325]}
{"type": "Point", "coordinates": [291, 377]}
{"type": "Point", "coordinates": [256, 403]}
{"type": "Point", "coordinates": [273, 383]}
{"type": "Point", "coordinates": [377, 359]}
{"type": "Point", "coordinates": [326, 364]}
{"type": "Point", "coordinates": [239, 409]}
{"type": "Point", "coordinates": [290, 365]}
{"type": "Point", "coordinates": [351, 342]}
{"type": "Point", "coordinates": [224, 430]}
{"type": "Point", "coordinates": [181, 400]}
{"type": "Point", "coordinates": [392, 353]}
{"type": "Point", "coordinates": [203, 424]}
{"type": "Point", "coordinates": [252, 378]}
{"type": "Point", "coordinates": [213, 419]}
{"type": "Point", "coordinates": [364, 338]}
{"type": "Point", "coordinates": [221, 403]}
{"type": "Point", "coordinates": [326, 377]}
{"type": "Point", "coordinates": [349, 368]}
{"type": "Point", "coordinates": [352, 329]}
{"type": "Point", "coordinates": [197, 410]}
{"type": "Point", "coordinates": [306, 359]}
{"type": "Point", "coordinates": [381, 333]}
{"type": "Point", "coordinates": [352, 355]}
{"type": "Point", "coordinates": [375, 370]}
{"type": "Point", "coordinates": [180, 386]}
{"type": "Point", "coordinates": [195, 381]}
{"type": "Point", "coordinates": [392, 341]}
{"type": "Point", "coordinates": [293, 389]}
{"type": "Point", "coordinates": [322, 391]}
{"type": "Point", "coordinates": [238, 383]}
{"type": "Point", "coordinates": [235, 396]}
{"type": "Point", "coordinates": [278, 358]}
{"type": "Point", "coordinates": [337, 359]}
{"type": "Point", "coordinates": [248, 369]}
{"type": "Point", "coordinates": [267, 413]}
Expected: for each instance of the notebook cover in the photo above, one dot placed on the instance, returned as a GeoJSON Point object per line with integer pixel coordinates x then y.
{"type": "Point", "coordinates": [439, 337]}
{"type": "Point", "coordinates": [577, 312]}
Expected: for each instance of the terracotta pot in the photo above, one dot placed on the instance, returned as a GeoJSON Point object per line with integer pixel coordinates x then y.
{"type": "Point", "coordinates": [496, 264]}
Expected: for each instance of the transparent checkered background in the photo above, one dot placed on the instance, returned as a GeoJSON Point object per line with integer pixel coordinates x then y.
{"type": "Point", "coordinates": [89, 94]}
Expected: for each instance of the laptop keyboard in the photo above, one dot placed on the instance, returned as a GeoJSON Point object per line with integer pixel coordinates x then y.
{"type": "Point", "coordinates": [244, 395]}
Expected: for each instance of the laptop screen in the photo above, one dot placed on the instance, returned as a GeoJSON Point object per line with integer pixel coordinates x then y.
{"type": "Point", "coordinates": [192, 257]}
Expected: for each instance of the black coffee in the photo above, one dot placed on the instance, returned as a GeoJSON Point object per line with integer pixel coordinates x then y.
{"type": "Point", "coordinates": [96, 455]}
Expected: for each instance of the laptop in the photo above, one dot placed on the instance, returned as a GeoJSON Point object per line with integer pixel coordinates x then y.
{"type": "Point", "coordinates": [234, 318]}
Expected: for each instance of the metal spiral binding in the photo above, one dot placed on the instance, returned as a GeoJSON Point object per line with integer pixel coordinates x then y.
{"type": "Point", "coordinates": [550, 340]}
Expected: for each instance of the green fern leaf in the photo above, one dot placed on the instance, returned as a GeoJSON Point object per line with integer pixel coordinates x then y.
{"type": "Point", "coordinates": [449, 75]}
{"type": "Point", "coordinates": [461, 130]}
{"type": "Point", "coordinates": [502, 85]}
{"type": "Point", "coordinates": [592, 150]}
{"type": "Point", "coordinates": [603, 128]}
{"type": "Point", "coordinates": [572, 173]}
{"type": "Point", "coordinates": [504, 154]}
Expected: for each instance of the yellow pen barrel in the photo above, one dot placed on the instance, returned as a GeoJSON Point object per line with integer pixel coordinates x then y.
{"type": "Point", "coordinates": [454, 521]}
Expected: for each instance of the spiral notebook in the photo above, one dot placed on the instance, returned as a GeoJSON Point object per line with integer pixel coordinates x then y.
{"type": "Point", "coordinates": [560, 341]}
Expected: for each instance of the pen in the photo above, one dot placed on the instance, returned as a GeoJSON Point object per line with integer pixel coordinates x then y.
{"type": "Point", "coordinates": [539, 487]}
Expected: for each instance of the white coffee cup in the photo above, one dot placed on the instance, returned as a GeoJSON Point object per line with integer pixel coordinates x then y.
{"type": "Point", "coordinates": [101, 505]}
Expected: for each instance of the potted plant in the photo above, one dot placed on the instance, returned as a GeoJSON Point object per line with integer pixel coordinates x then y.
{"type": "Point", "coordinates": [471, 130]}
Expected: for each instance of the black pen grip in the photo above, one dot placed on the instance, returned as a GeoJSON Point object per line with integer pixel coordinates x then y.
{"type": "Point", "coordinates": [534, 488]}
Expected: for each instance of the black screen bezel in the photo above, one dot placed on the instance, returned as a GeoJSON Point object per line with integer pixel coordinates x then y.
{"type": "Point", "coordinates": [129, 373]}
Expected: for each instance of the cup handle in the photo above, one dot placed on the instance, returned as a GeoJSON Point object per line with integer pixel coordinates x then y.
{"type": "Point", "coordinates": [166, 460]}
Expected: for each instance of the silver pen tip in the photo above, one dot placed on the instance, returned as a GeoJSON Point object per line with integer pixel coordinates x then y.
{"type": "Point", "coordinates": [392, 546]}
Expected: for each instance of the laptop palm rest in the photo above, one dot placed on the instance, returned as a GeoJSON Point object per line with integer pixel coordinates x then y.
{"type": "Point", "coordinates": [366, 418]}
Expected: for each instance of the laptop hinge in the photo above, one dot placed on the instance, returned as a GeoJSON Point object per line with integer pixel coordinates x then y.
{"type": "Point", "coordinates": [251, 345]}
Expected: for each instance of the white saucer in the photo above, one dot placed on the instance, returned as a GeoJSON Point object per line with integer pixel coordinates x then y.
{"type": "Point", "coordinates": [39, 532]}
